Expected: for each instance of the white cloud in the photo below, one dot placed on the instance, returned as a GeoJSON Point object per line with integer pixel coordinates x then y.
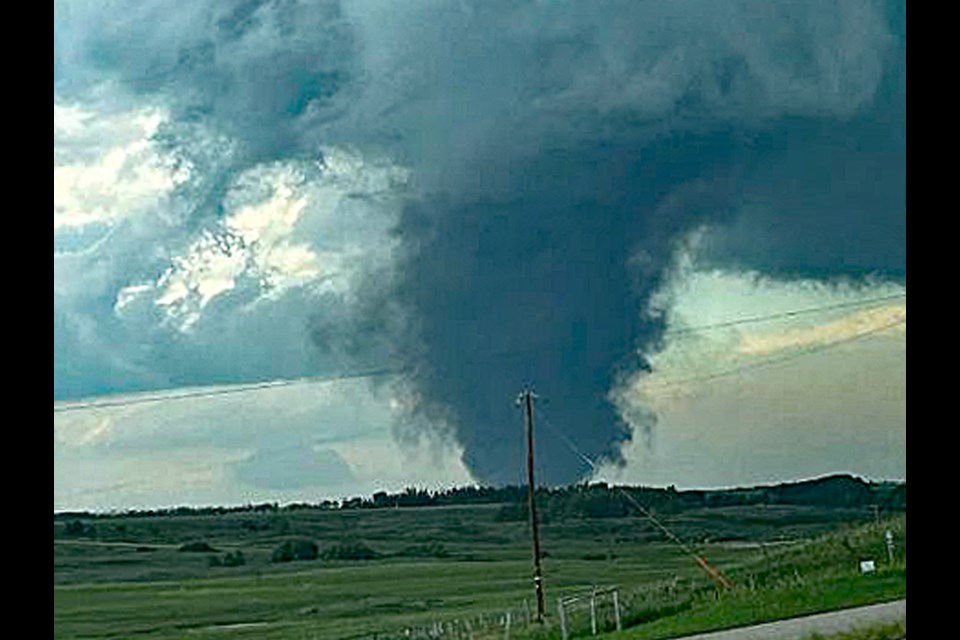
{"type": "Point", "coordinates": [336, 438]}
{"type": "Point", "coordinates": [850, 327]}
{"type": "Point", "coordinates": [106, 166]}
{"type": "Point", "coordinates": [286, 225]}
{"type": "Point", "coordinates": [765, 394]}
{"type": "Point", "coordinates": [383, 465]}
{"type": "Point", "coordinates": [210, 267]}
{"type": "Point", "coordinates": [175, 259]}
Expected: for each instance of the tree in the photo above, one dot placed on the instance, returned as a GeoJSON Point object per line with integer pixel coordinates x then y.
{"type": "Point", "coordinates": [78, 528]}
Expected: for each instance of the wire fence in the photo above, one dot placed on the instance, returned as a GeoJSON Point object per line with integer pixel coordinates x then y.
{"type": "Point", "coordinates": [577, 613]}
{"type": "Point", "coordinates": [516, 622]}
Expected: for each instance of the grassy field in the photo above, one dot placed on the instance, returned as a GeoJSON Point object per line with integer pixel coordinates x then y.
{"type": "Point", "coordinates": [814, 576]}
{"type": "Point", "coordinates": [459, 570]}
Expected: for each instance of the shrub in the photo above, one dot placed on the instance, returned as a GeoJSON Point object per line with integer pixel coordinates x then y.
{"type": "Point", "coordinates": [230, 559]}
{"type": "Point", "coordinates": [350, 551]}
{"type": "Point", "coordinates": [295, 549]}
{"type": "Point", "coordinates": [78, 528]}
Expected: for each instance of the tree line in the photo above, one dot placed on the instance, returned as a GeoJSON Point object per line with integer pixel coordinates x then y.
{"type": "Point", "coordinates": [584, 500]}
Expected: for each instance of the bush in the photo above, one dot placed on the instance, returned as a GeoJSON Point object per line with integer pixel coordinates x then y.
{"type": "Point", "coordinates": [350, 551]}
{"type": "Point", "coordinates": [79, 528]}
{"type": "Point", "coordinates": [295, 549]}
{"type": "Point", "coordinates": [230, 559]}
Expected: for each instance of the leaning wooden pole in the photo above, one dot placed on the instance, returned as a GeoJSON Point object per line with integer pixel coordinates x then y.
{"type": "Point", "coordinates": [534, 530]}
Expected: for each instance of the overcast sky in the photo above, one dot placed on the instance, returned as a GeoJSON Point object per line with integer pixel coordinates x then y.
{"type": "Point", "coordinates": [683, 224]}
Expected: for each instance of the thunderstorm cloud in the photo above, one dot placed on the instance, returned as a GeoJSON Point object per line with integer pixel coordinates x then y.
{"type": "Point", "coordinates": [478, 196]}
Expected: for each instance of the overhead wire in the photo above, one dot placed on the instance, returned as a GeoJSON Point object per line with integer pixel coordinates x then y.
{"type": "Point", "coordinates": [712, 572]}
{"type": "Point", "coordinates": [106, 403]}
{"type": "Point", "coordinates": [769, 362]}
{"type": "Point", "coordinates": [394, 370]}
{"type": "Point", "coordinates": [369, 373]}
{"type": "Point", "coordinates": [785, 314]}
{"type": "Point", "coordinates": [222, 391]}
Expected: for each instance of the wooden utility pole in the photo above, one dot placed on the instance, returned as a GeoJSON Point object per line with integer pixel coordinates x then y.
{"type": "Point", "coordinates": [526, 397]}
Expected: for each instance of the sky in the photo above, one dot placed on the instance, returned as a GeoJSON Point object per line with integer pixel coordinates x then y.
{"type": "Point", "coordinates": [308, 250]}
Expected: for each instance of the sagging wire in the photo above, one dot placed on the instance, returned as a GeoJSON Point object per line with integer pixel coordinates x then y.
{"type": "Point", "coordinates": [715, 575]}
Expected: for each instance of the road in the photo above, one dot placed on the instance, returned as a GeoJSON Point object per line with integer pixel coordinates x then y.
{"type": "Point", "coordinates": [824, 623]}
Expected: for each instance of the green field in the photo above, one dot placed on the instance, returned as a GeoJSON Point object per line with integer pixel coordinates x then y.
{"type": "Point", "coordinates": [453, 571]}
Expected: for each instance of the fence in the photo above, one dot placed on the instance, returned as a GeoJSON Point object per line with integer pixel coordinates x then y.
{"type": "Point", "coordinates": [484, 626]}
{"type": "Point", "coordinates": [600, 615]}
{"type": "Point", "coordinates": [587, 612]}
{"type": "Point", "coordinates": [578, 612]}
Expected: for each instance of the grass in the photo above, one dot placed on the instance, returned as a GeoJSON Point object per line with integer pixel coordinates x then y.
{"type": "Point", "coordinates": [814, 577]}
{"type": "Point", "coordinates": [126, 577]}
{"type": "Point", "coordinates": [743, 608]}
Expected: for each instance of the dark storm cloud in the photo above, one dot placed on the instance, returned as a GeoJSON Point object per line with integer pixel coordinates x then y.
{"type": "Point", "coordinates": [560, 152]}
{"type": "Point", "coordinates": [255, 68]}
{"type": "Point", "coordinates": [568, 149]}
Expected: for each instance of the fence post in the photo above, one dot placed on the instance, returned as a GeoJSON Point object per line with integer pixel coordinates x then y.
{"type": "Point", "coordinates": [593, 612]}
{"type": "Point", "coordinates": [563, 619]}
{"type": "Point", "coordinates": [506, 631]}
{"type": "Point", "coordinates": [616, 609]}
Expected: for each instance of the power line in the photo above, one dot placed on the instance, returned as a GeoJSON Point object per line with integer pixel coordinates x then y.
{"type": "Point", "coordinates": [775, 361]}
{"type": "Point", "coordinates": [241, 388]}
{"type": "Point", "coordinates": [712, 572]}
{"type": "Point", "coordinates": [244, 388]}
{"type": "Point", "coordinates": [785, 314]}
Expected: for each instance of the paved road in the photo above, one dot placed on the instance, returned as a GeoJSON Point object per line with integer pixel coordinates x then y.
{"type": "Point", "coordinates": [824, 623]}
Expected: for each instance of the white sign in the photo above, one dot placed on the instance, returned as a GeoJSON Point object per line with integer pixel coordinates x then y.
{"type": "Point", "coordinates": [867, 566]}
